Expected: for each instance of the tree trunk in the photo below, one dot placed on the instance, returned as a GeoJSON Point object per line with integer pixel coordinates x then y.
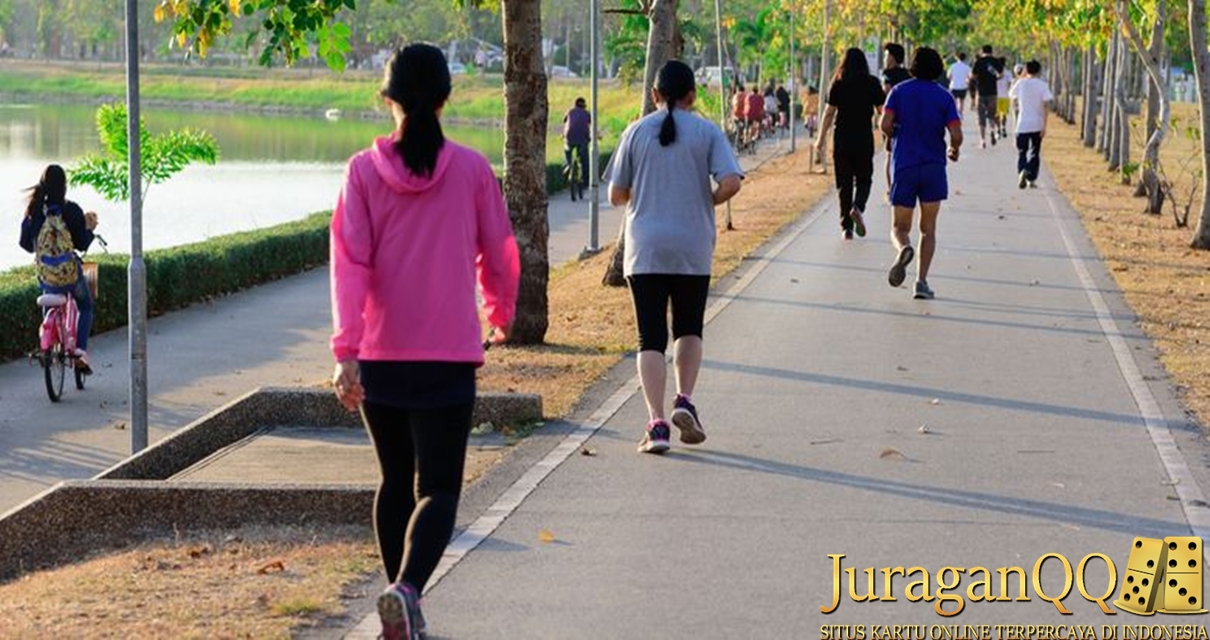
{"type": "Point", "coordinates": [1158, 104]}
{"type": "Point", "coordinates": [1106, 124]}
{"type": "Point", "coordinates": [525, 162]}
{"type": "Point", "coordinates": [661, 47]}
{"type": "Point", "coordinates": [1073, 72]}
{"type": "Point", "coordinates": [1090, 97]}
{"type": "Point", "coordinates": [1201, 71]}
{"type": "Point", "coordinates": [1119, 148]}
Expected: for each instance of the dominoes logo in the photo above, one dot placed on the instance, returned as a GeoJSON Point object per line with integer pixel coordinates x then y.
{"type": "Point", "coordinates": [1163, 576]}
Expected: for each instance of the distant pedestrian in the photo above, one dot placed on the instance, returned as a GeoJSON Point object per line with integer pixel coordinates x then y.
{"type": "Point", "coordinates": [852, 100]}
{"type": "Point", "coordinates": [960, 76]}
{"type": "Point", "coordinates": [754, 114]}
{"type": "Point", "coordinates": [1031, 96]}
{"type": "Point", "coordinates": [1003, 86]}
{"type": "Point", "coordinates": [893, 71]}
{"type": "Point", "coordinates": [919, 112]}
{"type": "Point", "coordinates": [770, 110]}
{"type": "Point", "coordinates": [987, 72]}
{"type": "Point", "coordinates": [892, 74]}
{"type": "Point", "coordinates": [418, 219]}
{"type": "Point", "coordinates": [54, 229]}
{"type": "Point", "coordinates": [663, 172]}
{"type": "Point", "coordinates": [783, 106]}
{"type": "Point", "coordinates": [577, 132]}
{"type": "Point", "coordinates": [739, 107]}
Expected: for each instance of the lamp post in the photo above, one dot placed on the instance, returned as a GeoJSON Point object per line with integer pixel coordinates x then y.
{"type": "Point", "coordinates": [594, 153]}
{"type": "Point", "coordinates": [136, 274]}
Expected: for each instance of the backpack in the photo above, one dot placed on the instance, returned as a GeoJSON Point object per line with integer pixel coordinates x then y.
{"type": "Point", "coordinates": [55, 253]}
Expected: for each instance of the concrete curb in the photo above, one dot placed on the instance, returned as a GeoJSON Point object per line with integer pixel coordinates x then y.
{"type": "Point", "coordinates": [132, 501]}
{"type": "Point", "coordinates": [280, 406]}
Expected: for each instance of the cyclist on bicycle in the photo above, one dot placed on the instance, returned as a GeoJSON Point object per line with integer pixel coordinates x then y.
{"type": "Point", "coordinates": [577, 132]}
{"type": "Point", "coordinates": [54, 229]}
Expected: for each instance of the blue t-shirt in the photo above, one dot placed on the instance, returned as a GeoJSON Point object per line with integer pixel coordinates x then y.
{"type": "Point", "coordinates": [923, 110]}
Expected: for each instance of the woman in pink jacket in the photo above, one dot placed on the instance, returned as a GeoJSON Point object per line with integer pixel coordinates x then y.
{"type": "Point", "coordinates": [418, 218]}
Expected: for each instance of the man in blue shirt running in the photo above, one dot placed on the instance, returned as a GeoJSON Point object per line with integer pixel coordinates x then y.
{"type": "Point", "coordinates": [919, 112]}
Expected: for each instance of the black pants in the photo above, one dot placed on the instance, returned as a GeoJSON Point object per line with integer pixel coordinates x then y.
{"type": "Point", "coordinates": [1029, 154]}
{"type": "Point", "coordinates": [422, 453]}
{"type": "Point", "coordinates": [854, 162]}
{"type": "Point", "coordinates": [987, 110]}
{"type": "Point", "coordinates": [653, 292]}
{"type": "Point", "coordinates": [577, 153]}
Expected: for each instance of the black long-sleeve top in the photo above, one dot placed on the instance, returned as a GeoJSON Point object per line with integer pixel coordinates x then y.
{"type": "Point", "coordinates": [73, 217]}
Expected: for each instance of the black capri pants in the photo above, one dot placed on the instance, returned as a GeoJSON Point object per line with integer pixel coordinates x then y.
{"type": "Point", "coordinates": [652, 292]}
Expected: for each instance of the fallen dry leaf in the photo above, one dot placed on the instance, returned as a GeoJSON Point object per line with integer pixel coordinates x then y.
{"type": "Point", "coordinates": [935, 401]}
{"type": "Point", "coordinates": [924, 428]}
{"type": "Point", "coordinates": [891, 453]}
{"type": "Point", "coordinates": [197, 552]}
{"type": "Point", "coordinates": [273, 566]}
{"type": "Point", "coordinates": [546, 536]}
{"type": "Point", "coordinates": [588, 452]}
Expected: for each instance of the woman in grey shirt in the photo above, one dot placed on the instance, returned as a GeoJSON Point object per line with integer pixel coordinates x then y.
{"type": "Point", "coordinates": [662, 173]}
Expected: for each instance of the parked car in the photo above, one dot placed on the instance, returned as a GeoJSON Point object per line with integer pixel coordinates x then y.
{"type": "Point", "coordinates": [457, 68]}
{"type": "Point", "coordinates": [562, 72]}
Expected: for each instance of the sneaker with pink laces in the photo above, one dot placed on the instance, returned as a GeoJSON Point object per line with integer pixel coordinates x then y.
{"type": "Point", "coordinates": [655, 439]}
{"type": "Point", "coordinates": [399, 611]}
{"type": "Point", "coordinates": [684, 416]}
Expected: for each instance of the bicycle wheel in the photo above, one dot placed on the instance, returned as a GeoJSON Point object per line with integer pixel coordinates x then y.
{"type": "Point", "coordinates": [54, 368]}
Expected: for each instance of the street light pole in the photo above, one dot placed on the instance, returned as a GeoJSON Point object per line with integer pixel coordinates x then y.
{"type": "Point", "coordinates": [594, 153]}
{"type": "Point", "coordinates": [722, 73]}
{"type": "Point", "coordinates": [136, 274]}
{"type": "Point", "coordinates": [722, 88]}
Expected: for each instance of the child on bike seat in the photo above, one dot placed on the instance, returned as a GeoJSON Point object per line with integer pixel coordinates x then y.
{"type": "Point", "coordinates": [53, 229]}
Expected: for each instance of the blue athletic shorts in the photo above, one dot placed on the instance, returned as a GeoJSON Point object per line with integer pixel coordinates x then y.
{"type": "Point", "coordinates": [919, 183]}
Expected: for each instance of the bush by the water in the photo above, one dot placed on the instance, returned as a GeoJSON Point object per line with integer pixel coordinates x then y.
{"type": "Point", "coordinates": [176, 277]}
{"type": "Point", "coordinates": [184, 275]}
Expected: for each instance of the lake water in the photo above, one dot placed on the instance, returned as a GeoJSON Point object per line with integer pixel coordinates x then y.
{"type": "Point", "coordinates": [271, 170]}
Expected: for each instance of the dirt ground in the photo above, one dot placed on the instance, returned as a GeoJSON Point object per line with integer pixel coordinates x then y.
{"type": "Point", "coordinates": [268, 583]}
{"type": "Point", "coordinates": [1165, 282]}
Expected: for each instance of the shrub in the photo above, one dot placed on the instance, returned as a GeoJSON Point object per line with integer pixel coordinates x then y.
{"type": "Point", "coordinates": [176, 277]}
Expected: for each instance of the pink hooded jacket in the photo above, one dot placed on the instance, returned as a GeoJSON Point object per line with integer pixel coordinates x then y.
{"type": "Point", "coordinates": [405, 254]}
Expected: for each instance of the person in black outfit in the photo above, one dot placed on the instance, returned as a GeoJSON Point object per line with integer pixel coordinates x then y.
{"type": "Point", "coordinates": [893, 73]}
{"type": "Point", "coordinates": [987, 72]}
{"type": "Point", "coordinates": [783, 106]}
{"type": "Point", "coordinates": [852, 99]}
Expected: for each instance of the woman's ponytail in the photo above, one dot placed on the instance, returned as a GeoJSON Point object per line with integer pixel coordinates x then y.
{"type": "Point", "coordinates": [674, 82]}
{"type": "Point", "coordinates": [417, 78]}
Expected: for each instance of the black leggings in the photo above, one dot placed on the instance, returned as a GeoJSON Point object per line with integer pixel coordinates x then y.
{"type": "Point", "coordinates": [854, 160]}
{"type": "Point", "coordinates": [652, 292]}
{"type": "Point", "coordinates": [422, 453]}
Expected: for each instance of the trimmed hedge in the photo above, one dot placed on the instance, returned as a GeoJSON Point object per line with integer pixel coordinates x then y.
{"type": "Point", "coordinates": [188, 274]}
{"type": "Point", "coordinates": [176, 277]}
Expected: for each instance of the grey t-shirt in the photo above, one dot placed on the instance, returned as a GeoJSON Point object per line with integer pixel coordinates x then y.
{"type": "Point", "coordinates": [670, 216]}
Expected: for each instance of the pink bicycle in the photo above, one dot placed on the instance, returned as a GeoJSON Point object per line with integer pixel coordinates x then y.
{"type": "Point", "coordinates": [57, 336]}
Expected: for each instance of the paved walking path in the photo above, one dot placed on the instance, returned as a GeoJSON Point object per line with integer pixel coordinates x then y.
{"type": "Point", "coordinates": [1018, 414]}
{"type": "Point", "coordinates": [199, 359]}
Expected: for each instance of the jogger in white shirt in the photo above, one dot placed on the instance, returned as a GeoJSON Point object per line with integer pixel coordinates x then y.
{"type": "Point", "coordinates": [1030, 96]}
